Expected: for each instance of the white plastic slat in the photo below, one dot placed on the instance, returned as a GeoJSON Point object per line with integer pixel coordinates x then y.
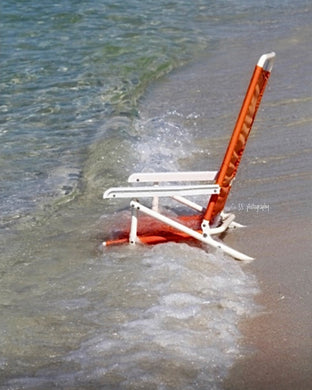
{"type": "Point", "coordinates": [160, 191]}
{"type": "Point", "coordinates": [172, 176]}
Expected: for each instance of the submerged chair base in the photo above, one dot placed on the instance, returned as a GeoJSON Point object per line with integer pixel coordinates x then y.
{"type": "Point", "coordinates": [176, 229]}
{"type": "Point", "coordinates": [204, 236]}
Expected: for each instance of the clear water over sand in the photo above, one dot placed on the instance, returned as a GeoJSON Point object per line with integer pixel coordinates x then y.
{"type": "Point", "coordinates": [93, 93]}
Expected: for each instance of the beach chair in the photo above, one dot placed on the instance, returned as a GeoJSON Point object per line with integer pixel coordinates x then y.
{"type": "Point", "coordinates": [149, 225]}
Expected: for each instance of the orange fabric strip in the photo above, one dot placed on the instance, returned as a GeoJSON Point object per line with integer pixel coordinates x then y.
{"type": "Point", "coordinates": [238, 142]}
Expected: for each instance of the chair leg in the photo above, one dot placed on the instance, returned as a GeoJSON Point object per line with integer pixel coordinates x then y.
{"type": "Point", "coordinates": [227, 249]}
{"type": "Point", "coordinates": [227, 220]}
{"type": "Point", "coordinates": [155, 203]}
{"type": "Point", "coordinates": [134, 225]}
{"type": "Point", "coordinates": [233, 224]}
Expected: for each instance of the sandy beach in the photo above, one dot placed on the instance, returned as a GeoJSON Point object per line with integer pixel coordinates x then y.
{"type": "Point", "coordinates": [279, 339]}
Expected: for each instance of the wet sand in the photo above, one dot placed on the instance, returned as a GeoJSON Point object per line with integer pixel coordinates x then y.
{"type": "Point", "coordinates": [280, 339]}
{"type": "Point", "coordinates": [277, 343]}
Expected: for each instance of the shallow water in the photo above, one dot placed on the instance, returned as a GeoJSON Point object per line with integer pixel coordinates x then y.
{"type": "Point", "coordinates": [92, 93]}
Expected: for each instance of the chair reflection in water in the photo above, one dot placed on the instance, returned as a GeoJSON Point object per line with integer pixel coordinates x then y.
{"type": "Point", "coordinates": [150, 226]}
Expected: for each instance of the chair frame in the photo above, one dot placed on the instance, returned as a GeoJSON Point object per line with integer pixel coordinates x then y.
{"type": "Point", "coordinates": [212, 183]}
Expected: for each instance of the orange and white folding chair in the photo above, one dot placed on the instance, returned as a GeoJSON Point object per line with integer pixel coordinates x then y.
{"type": "Point", "coordinates": [150, 226]}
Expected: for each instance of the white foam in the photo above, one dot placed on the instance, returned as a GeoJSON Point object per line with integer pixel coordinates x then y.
{"type": "Point", "coordinates": [182, 312]}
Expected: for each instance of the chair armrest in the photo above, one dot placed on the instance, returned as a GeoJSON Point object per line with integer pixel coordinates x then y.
{"type": "Point", "coordinates": [158, 177]}
{"type": "Point", "coordinates": [160, 191]}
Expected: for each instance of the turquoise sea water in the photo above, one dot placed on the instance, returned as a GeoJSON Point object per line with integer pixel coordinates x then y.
{"type": "Point", "coordinates": [90, 92]}
{"type": "Point", "coordinates": [67, 69]}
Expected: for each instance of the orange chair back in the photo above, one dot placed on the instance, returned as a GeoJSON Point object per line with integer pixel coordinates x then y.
{"type": "Point", "coordinates": [238, 141]}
